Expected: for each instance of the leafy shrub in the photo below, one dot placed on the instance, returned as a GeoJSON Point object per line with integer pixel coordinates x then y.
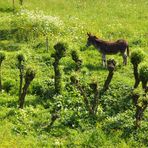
{"type": "Point", "coordinates": [28, 25]}
{"type": "Point", "coordinates": [137, 56]}
{"type": "Point", "coordinates": [5, 34]}
{"type": "Point", "coordinates": [117, 99]}
{"type": "Point", "coordinates": [37, 88]}
{"type": "Point", "coordinates": [143, 73]}
{"type": "Point", "coordinates": [119, 121]}
{"type": "Point", "coordinates": [8, 85]}
{"type": "Point", "coordinates": [75, 58]}
{"type": "Point", "coordinates": [30, 74]}
{"type": "Point", "coordinates": [60, 48]}
{"type": "Point", "coordinates": [47, 60]}
{"type": "Point", "coordinates": [9, 46]}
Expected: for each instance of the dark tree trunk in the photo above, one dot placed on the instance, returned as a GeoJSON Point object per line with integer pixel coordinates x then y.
{"type": "Point", "coordinates": [23, 94]}
{"type": "Point", "coordinates": [13, 4]}
{"type": "Point", "coordinates": [95, 102]}
{"type": "Point", "coordinates": [57, 82]}
{"type": "Point", "coordinates": [78, 65]}
{"type": "Point", "coordinates": [54, 117]}
{"type": "Point", "coordinates": [108, 80]}
{"type": "Point", "coordinates": [135, 99]}
{"type": "Point", "coordinates": [21, 2]}
{"type": "Point", "coordinates": [111, 67]}
{"type": "Point", "coordinates": [85, 99]}
{"type": "Point", "coordinates": [0, 79]}
{"type": "Point", "coordinates": [136, 76]}
{"type": "Point", "coordinates": [139, 113]}
{"type": "Point", "coordinates": [144, 85]}
{"type": "Point", "coordinates": [138, 116]}
{"type": "Point", "coordinates": [139, 109]}
{"type": "Point", "coordinates": [21, 83]}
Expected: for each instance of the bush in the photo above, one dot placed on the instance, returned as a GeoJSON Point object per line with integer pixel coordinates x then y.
{"type": "Point", "coordinates": [30, 74]}
{"type": "Point", "coordinates": [28, 25]}
{"type": "Point", "coordinates": [8, 85]}
{"type": "Point", "coordinates": [78, 62]}
{"type": "Point", "coordinates": [117, 99]}
{"type": "Point", "coordinates": [9, 46]}
{"type": "Point", "coordinates": [37, 88]}
{"type": "Point", "coordinates": [47, 60]}
{"type": "Point", "coordinates": [4, 34]}
{"type": "Point", "coordinates": [137, 57]}
{"type": "Point", "coordinates": [143, 73]}
{"type": "Point", "coordinates": [60, 49]}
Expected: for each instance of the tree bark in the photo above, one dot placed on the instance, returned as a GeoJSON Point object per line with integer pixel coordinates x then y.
{"type": "Point", "coordinates": [136, 76]}
{"type": "Point", "coordinates": [21, 2]}
{"type": "Point", "coordinates": [0, 78]}
{"type": "Point", "coordinates": [144, 85]}
{"type": "Point", "coordinates": [139, 109]}
{"type": "Point", "coordinates": [111, 67]}
{"type": "Point", "coordinates": [139, 114]}
{"type": "Point", "coordinates": [21, 83]}
{"type": "Point", "coordinates": [23, 94]}
{"type": "Point", "coordinates": [13, 4]}
{"type": "Point", "coordinates": [57, 80]}
{"type": "Point", "coordinates": [96, 98]}
{"type": "Point", "coordinates": [108, 80]}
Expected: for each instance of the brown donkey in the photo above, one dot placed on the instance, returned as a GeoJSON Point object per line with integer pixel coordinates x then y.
{"type": "Point", "coordinates": [107, 48]}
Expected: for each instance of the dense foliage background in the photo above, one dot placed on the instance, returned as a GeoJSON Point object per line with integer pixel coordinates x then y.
{"type": "Point", "coordinates": [32, 29]}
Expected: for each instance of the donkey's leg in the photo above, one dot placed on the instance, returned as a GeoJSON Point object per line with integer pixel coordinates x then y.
{"type": "Point", "coordinates": [124, 56]}
{"type": "Point", "coordinates": [103, 59]}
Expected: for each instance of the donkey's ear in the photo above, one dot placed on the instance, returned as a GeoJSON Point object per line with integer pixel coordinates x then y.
{"type": "Point", "coordinates": [88, 34]}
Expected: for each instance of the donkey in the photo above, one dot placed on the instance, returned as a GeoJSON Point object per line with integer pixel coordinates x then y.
{"type": "Point", "coordinates": [108, 48]}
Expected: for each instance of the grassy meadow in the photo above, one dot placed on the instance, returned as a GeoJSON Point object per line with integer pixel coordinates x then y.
{"type": "Point", "coordinates": [25, 30]}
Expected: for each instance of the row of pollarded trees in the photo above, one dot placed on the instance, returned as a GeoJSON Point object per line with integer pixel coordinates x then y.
{"type": "Point", "coordinates": [139, 96]}
{"type": "Point", "coordinates": [140, 100]}
{"type": "Point", "coordinates": [91, 106]}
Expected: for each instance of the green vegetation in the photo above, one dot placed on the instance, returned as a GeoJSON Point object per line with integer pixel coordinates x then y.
{"type": "Point", "coordinates": [66, 98]}
{"type": "Point", "coordinates": [139, 96]}
{"type": "Point", "coordinates": [143, 74]}
{"type": "Point", "coordinates": [60, 50]}
{"type": "Point", "coordinates": [137, 57]}
{"type": "Point", "coordinates": [76, 59]}
{"type": "Point", "coordinates": [29, 76]}
{"type": "Point", "coordinates": [20, 65]}
{"type": "Point", "coordinates": [2, 57]}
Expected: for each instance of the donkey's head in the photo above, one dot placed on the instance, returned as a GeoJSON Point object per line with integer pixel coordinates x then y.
{"type": "Point", "coordinates": [90, 40]}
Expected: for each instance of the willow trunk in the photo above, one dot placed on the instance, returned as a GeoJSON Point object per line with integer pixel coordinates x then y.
{"type": "Point", "coordinates": [23, 94]}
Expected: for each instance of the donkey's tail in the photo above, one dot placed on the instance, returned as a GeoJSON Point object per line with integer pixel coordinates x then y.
{"type": "Point", "coordinates": [127, 50]}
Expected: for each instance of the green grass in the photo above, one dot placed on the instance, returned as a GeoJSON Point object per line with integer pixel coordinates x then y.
{"type": "Point", "coordinates": [109, 20]}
